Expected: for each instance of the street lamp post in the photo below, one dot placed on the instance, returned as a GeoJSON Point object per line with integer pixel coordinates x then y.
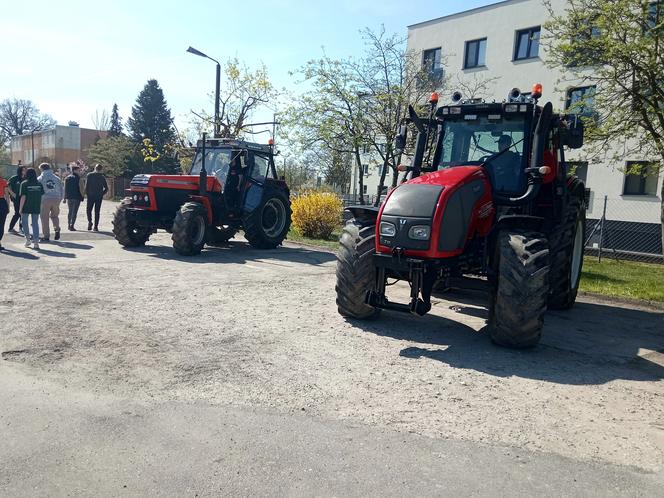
{"type": "Point", "coordinates": [217, 130]}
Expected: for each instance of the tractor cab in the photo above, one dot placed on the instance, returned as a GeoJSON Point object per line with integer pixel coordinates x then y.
{"type": "Point", "coordinates": [488, 135]}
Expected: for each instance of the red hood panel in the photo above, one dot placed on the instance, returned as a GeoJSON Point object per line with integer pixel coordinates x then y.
{"type": "Point", "coordinates": [449, 176]}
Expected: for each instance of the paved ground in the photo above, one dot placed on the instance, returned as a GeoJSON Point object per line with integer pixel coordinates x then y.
{"type": "Point", "coordinates": [232, 372]}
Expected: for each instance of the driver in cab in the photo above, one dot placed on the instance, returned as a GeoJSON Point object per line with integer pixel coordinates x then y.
{"type": "Point", "coordinates": [506, 166]}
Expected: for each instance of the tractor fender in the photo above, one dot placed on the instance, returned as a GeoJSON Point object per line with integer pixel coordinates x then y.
{"type": "Point", "coordinates": [206, 204]}
{"type": "Point", "coordinates": [576, 188]}
{"type": "Point", "coordinates": [365, 215]}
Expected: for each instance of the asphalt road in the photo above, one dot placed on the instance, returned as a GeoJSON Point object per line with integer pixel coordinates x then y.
{"type": "Point", "coordinates": [142, 373]}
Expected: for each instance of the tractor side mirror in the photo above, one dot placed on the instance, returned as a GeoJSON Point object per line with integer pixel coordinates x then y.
{"type": "Point", "coordinates": [400, 139]}
{"type": "Point", "coordinates": [572, 134]}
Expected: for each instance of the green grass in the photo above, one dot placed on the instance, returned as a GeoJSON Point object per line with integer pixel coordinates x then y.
{"type": "Point", "coordinates": [623, 279]}
{"type": "Point", "coordinates": [330, 243]}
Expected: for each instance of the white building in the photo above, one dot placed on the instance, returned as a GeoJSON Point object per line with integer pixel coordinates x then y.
{"type": "Point", "coordinates": [499, 45]}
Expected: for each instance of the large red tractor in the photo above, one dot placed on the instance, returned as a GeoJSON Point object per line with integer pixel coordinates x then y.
{"type": "Point", "coordinates": [487, 194]}
{"type": "Point", "coordinates": [232, 185]}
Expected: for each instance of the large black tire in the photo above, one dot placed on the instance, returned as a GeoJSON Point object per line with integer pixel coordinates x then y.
{"type": "Point", "coordinates": [219, 235]}
{"type": "Point", "coordinates": [267, 225]}
{"type": "Point", "coordinates": [356, 273]}
{"type": "Point", "coordinates": [566, 241]}
{"type": "Point", "coordinates": [126, 232]}
{"type": "Point", "coordinates": [189, 229]}
{"type": "Point", "coordinates": [519, 290]}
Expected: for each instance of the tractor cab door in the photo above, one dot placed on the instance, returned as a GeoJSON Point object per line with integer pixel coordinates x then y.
{"type": "Point", "coordinates": [259, 174]}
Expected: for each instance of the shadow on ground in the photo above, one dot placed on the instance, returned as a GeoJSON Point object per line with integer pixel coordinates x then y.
{"type": "Point", "coordinates": [591, 344]}
{"type": "Point", "coordinates": [239, 252]}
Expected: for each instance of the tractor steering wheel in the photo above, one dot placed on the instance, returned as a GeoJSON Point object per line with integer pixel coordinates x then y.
{"type": "Point", "coordinates": [484, 158]}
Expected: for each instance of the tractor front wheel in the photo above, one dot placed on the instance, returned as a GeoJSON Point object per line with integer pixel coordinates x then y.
{"type": "Point", "coordinates": [126, 231]}
{"type": "Point", "coordinates": [356, 273]}
{"type": "Point", "coordinates": [567, 241]}
{"type": "Point", "coordinates": [189, 229]}
{"type": "Point", "coordinates": [519, 288]}
{"type": "Point", "coordinates": [267, 225]}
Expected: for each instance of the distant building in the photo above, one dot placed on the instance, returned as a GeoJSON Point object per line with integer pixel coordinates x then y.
{"type": "Point", "coordinates": [60, 144]}
{"type": "Point", "coordinates": [498, 44]}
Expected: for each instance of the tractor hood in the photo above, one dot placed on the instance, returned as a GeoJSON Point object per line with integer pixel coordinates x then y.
{"type": "Point", "coordinates": [433, 211]}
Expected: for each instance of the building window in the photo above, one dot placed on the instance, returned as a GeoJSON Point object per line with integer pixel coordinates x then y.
{"type": "Point", "coordinates": [641, 178]}
{"type": "Point", "coordinates": [366, 169]}
{"type": "Point", "coordinates": [579, 169]}
{"type": "Point", "coordinates": [475, 54]}
{"type": "Point", "coordinates": [364, 189]}
{"type": "Point", "coordinates": [527, 43]}
{"type": "Point", "coordinates": [655, 14]}
{"type": "Point", "coordinates": [431, 65]}
{"type": "Point", "coordinates": [581, 101]}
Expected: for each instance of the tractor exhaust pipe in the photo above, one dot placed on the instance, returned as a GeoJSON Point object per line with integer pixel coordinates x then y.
{"type": "Point", "coordinates": [202, 179]}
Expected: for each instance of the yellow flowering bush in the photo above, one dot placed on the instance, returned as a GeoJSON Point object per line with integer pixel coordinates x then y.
{"type": "Point", "coordinates": [316, 214]}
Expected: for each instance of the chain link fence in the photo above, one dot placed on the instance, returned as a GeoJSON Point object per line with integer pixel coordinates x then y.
{"type": "Point", "coordinates": [625, 229]}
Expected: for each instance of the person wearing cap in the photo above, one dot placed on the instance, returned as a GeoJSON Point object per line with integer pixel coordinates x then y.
{"type": "Point", "coordinates": [50, 204]}
{"type": "Point", "coordinates": [73, 195]}
{"type": "Point", "coordinates": [95, 189]}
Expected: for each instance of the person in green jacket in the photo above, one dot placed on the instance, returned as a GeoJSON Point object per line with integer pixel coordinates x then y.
{"type": "Point", "coordinates": [14, 185]}
{"type": "Point", "coordinates": [30, 193]}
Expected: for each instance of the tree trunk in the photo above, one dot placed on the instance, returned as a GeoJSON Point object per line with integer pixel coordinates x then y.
{"type": "Point", "coordinates": [360, 172]}
{"type": "Point", "coordinates": [383, 173]}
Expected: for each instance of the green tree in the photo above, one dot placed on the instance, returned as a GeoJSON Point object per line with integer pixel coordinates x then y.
{"type": "Point", "coordinates": [115, 129]}
{"type": "Point", "coordinates": [118, 155]}
{"type": "Point", "coordinates": [617, 46]}
{"type": "Point", "coordinates": [151, 120]}
{"type": "Point", "coordinates": [242, 92]}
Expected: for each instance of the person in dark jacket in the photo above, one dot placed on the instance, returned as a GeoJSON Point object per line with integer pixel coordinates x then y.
{"type": "Point", "coordinates": [95, 189]}
{"type": "Point", "coordinates": [73, 195]}
{"type": "Point", "coordinates": [14, 185]}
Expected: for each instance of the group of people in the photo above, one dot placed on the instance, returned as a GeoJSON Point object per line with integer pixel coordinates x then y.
{"type": "Point", "coordinates": [35, 197]}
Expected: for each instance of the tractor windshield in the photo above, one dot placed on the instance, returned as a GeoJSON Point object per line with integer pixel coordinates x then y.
{"type": "Point", "coordinates": [498, 142]}
{"type": "Point", "coordinates": [217, 162]}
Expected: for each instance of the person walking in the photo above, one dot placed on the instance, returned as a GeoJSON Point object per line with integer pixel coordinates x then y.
{"type": "Point", "coordinates": [50, 204]}
{"type": "Point", "coordinates": [30, 193]}
{"type": "Point", "coordinates": [4, 207]}
{"type": "Point", "coordinates": [73, 195]}
{"type": "Point", "coordinates": [14, 185]}
{"type": "Point", "coordinates": [95, 189]}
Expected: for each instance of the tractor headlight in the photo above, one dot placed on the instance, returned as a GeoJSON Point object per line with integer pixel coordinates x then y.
{"type": "Point", "coordinates": [146, 198]}
{"type": "Point", "coordinates": [135, 197]}
{"type": "Point", "coordinates": [420, 232]}
{"type": "Point", "coordinates": [387, 229]}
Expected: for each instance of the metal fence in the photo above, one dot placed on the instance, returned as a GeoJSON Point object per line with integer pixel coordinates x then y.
{"type": "Point", "coordinates": [625, 229]}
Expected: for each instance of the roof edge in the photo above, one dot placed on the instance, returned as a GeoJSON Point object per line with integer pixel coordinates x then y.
{"type": "Point", "coordinates": [465, 12]}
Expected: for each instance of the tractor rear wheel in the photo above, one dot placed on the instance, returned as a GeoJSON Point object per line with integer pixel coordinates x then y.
{"type": "Point", "coordinates": [219, 235]}
{"type": "Point", "coordinates": [567, 240]}
{"type": "Point", "coordinates": [519, 290]}
{"type": "Point", "coordinates": [126, 231]}
{"type": "Point", "coordinates": [267, 225]}
{"type": "Point", "coordinates": [356, 273]}
{"type": "Point", "coordinates": [189, 229]}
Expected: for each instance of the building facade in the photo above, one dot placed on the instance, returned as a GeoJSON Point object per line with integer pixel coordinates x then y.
{"type": "Point", "coordinates": [495, 48]}
{"type": "Point", "coordinates": [59, 145]}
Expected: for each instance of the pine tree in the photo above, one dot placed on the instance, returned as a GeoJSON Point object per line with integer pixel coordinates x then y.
{"type": "Point", "coordinates": [116, 122]}
{"type": "Point", "coordinates": [151, 119]}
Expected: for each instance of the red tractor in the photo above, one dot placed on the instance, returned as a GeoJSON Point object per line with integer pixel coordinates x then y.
{"type": "Point", "coordinates": [232, 185]}
{"type": "Point", "coordinates": [487, 194]}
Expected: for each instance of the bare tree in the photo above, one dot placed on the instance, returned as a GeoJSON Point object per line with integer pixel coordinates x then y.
{"type": "Point", "coordinates": [18, 117]}
{"type": "Point", "coordinates": [101, 120]}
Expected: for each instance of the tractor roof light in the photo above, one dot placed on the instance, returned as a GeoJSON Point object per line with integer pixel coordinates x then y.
{"type": "Point", "coordinates": [537, 91]}
{"type": "Point", "coordinates": [434, 98]}
{"type": "Point", "coordinates": [270, 141]}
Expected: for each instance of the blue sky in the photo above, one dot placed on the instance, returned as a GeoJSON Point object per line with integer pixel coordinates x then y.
{"type": "Point", "coordinates": [74, 57]}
